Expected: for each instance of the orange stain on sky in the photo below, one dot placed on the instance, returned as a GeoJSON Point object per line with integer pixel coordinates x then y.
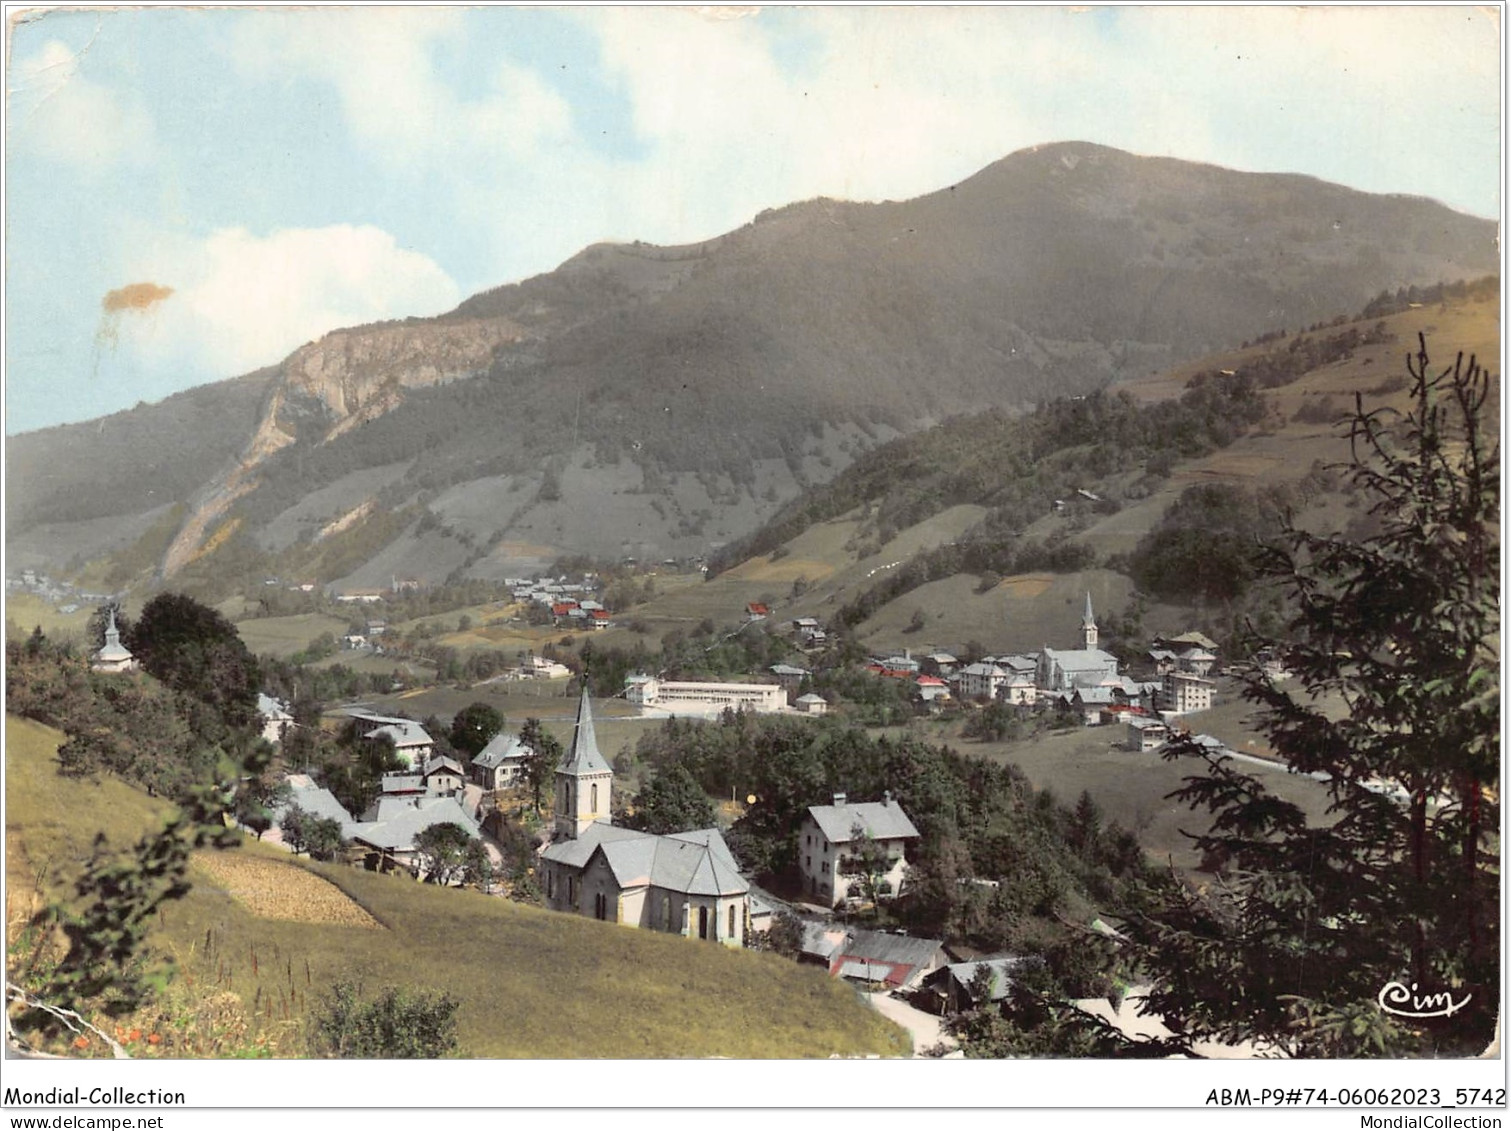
{"type": "Point", "coordinates": [134, 296]}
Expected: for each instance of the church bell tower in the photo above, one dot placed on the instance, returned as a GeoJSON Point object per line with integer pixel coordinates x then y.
{"type": "Point", "coordinates": [584, 781]}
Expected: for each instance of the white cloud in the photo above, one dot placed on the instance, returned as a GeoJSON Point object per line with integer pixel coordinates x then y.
{"type": "Point", "coordinates": [242, 301]}
{"type": "Point", "coordinates": [58, 112]}
{"type": "Point", "coordinates": [872, 103]}
{"type": "Point", "coordinates": [398, 102]}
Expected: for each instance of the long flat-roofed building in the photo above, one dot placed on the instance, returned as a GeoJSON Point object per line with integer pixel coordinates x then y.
{"type": "Point", "coordinates": [651, 691]}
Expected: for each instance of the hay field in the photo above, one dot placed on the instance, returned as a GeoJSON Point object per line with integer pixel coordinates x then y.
{"type": "Point", "coordinates": [280, 889]}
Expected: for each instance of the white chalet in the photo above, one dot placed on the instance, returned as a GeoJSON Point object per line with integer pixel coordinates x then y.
{"type": "Point", "coordinates": [828, 833]}
{"type": "Point", "coordinates": [501, 762]}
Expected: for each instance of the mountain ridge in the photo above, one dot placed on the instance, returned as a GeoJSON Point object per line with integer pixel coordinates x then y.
{"type": "Point", "coordinates": [745, 362]}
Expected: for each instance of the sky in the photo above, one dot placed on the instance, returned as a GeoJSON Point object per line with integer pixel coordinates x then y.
{"type": "Point", "coordinates": [192, 194]}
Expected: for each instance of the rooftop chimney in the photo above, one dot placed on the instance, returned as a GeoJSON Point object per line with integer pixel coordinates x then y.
{"type": "Point", "coordinates": [886, 798]}
{"type": "Point", "coordinates": [839, 798]}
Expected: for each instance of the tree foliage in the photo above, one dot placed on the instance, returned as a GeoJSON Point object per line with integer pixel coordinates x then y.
{"type": "Point", "coordinates": [672, 802]}
{"type": "Point", "coordinates": [866, 863]}
{"type": "Point", "coordinates": [441, 850]}
{"type": "Point", "coordinates": [402, 1024]}
{"type": "Point", "coordinates": [307, 832]}
{"type": "Point", "coordinates": [192, 648]}
{"type": "Point", "coordinates": [543, 755]}
{"type": "Point", "coordinates": [474, 726]}
{"type": "Point", "coordinates": [1401, 884]}
{"type": "Point", "coordinates": [1205, 547]}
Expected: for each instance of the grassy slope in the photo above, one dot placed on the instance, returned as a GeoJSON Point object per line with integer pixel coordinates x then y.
{"type": "Point", "coordinates": [283, 636]}
{"type": "Point", "coordinates": [532, 983]}
{"type": "Point", "coordinates": [25, 611]}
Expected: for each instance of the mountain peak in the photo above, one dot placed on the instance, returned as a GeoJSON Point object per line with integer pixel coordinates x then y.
{"type": "Point", "coordinates": [665, 398]}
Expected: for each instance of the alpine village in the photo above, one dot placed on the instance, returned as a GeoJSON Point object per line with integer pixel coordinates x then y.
{"type": "Point", "coordinates": [1089, 650]}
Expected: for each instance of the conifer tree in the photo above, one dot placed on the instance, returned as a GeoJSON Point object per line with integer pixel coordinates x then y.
{"type": "Point", "coordinates": [1300, 939]}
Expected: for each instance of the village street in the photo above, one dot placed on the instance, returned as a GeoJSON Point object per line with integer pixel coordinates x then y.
{"type": "Point", "coordinates": [925, 1028]}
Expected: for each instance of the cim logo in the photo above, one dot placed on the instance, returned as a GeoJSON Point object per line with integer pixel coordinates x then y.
{"type": "Point", "coordinates": [1396, 999]}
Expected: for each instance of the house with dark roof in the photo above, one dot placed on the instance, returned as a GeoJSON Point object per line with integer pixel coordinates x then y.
{"type": "Point", "coordinates": [411, 741]}
{"type": "Point", "coordinates": [812, 704]}
{"type": "Point", "coordinates": [443, 776]}
{"type": "Point", "coordinates": [962, 986]}
{"type": "Point", "coordinates": [898, 961]}
{"type": "Point", "coordinates": [831, 833]}
{"type": "Point", "coordinates": [317, 800]}
{"type": "Point", "coordinates": [789, 676]}
{"type": "Point", "coordinates": [400, 784]}
{"type": "Point", "coordinates": [394, 822]}
{"type": "Point", "coordinates": [685, 883]}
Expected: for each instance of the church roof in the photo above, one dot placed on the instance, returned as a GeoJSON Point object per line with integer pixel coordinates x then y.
{"type": "Point", "coordinates": [584, 758]}
{"type": "Point", "coordinates": [578, 849]}
{"type": "Point", "coordinates": [1081, 659]}
{"type": "Point", "coordinates": [694, 863]}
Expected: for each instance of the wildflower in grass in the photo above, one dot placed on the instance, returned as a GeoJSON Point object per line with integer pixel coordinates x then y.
{"type": "Point", "coordinates": [154, 1039]}
{"type": "Point", "coordinates": [81, 1042]}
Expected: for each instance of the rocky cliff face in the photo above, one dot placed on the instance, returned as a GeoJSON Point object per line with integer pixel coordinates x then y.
{"type": "Point", "coordinates": [342, 381]}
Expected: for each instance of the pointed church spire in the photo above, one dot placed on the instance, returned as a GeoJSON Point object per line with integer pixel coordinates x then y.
{"type": "Point", "coordinates": [113, 656]}
{"type": "Point", "coordinates": [584, 782]}
{"type": "Point", "coordinates": [585, 758]}
{"type": "Point", "coordinates": [1089, 624]}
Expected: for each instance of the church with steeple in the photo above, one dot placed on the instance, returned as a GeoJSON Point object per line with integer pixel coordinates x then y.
{"type": "Point", "coordinates": [1064, 670]}
{"type": "Point", "coordinates": [683, 883]}
{"type": "Point", "coordinates": [113, 656]}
